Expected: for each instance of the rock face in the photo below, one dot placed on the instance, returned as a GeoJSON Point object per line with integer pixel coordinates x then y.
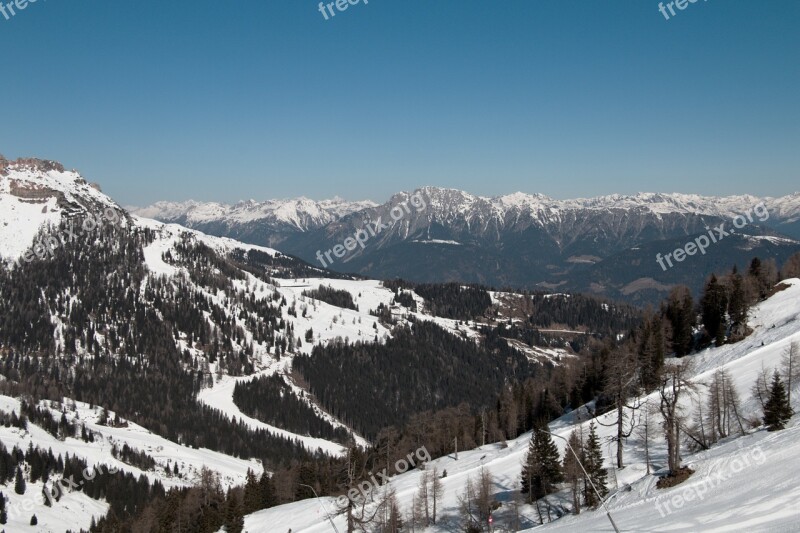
{"type": "Point", "coordinates": [31, 164]}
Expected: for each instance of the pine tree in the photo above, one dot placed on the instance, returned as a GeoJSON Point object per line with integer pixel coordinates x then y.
{"type": "Point", "coordinates": [777, 411]}
{"type": "Point", "coordinates": [593, 462]}
{"type": "Point", "coordinates": [252, 493]}
{"type": "Point", "coordinates": [19, 482]}
{"type": "Point", "coordinates": [681, 316]}
{"type": "Point", "coordinates": [714, 305]}
{"type": "Point", "coordinates": [737, 306]}
{"type": "Point", "coordinates": [234, 518]}
{"type": "Point", "coordinates": [542, 467]}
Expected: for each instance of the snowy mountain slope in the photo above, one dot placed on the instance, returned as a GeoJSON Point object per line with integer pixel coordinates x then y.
{"type": "Point", "coordinates": [220, 396]}
{"type": "Point", "coordinates": [190, 461]}
{"type": "Point", "coordinates": [35, 194]}
{"type": "Point", "coordinates": [752, 478]}
{"type": "Point", "coordinates": [76, 510]}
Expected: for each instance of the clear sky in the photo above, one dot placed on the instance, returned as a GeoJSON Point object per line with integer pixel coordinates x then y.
{"type": "Point", "coordinates": [234, 99]}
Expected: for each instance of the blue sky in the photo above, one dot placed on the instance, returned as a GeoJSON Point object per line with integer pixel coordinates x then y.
{"type": "Point", "coordinates": [228, 100]}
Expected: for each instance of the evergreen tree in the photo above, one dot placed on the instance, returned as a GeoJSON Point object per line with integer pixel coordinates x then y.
{"type": "Point", "coordinates": [267, 492]}
{"type": "Point", "coordinates": [19, 482]}
{"type": "Point", "coordinates": [252, 493]}
{"type": "Point", "coordinates": [737, 306]}
{"type": "Point", "coordinates": [681, 316]}
{"type": "Point", "coordinates": [542, 467]}
{"type": "Point", "coordinates": [714, 306]}
{"type": "Point", "coordinates": [777, 410]}
{"type": "Point", "coordinates": [593, 462]}
{"type": "Point", "coordinates": [234, 518]}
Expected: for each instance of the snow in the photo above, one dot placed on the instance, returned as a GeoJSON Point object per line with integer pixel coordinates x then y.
{"type": "Point", "coordinates": [220, 396]}
{"type": "Point", "coordinates": [750, 480]}
{"type": "Point", "coordinates": [301, 213]}
{"type": "Point", "coordinates": [232, 471]}
{"type": "Point", "coordinates": [75, 510]}
{"type": "Point", "coordinates": [24, 214]}
{"type": "Point", "coordinates": [329, 322]}
{"type": "Point", "coordinates": [438, 241]}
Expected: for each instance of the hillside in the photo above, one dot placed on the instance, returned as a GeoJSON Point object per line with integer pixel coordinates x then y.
{"type": "Point", "coordinates": [746, 483]}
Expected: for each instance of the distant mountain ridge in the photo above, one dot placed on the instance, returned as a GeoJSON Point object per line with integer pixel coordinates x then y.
{"type": "Point", "coordinates": [269, 221]}
{"type": "Point", "coordinates": [603, 245]}
{"type": "Point", "coordinates": [317, 213]}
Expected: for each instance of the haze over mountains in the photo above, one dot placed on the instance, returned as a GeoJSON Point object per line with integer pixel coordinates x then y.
{"type": "Point", "coordinates": [605, 245]}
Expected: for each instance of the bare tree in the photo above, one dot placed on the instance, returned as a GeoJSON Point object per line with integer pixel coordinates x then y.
{"type": "Point", "coordinates": [437, 490]}
{"type": "Point", "coordinates": [791, 368]}
{"type": "Point", "coordinates": [388, 518]}
{"type": "Point", "coordinates": [721, 417]}
{"type": "Point", "coordinates": [791, 268]}
{"type": "Point", "coordinates": [485, 494]}
{"type": "Point", "coordinates": [646, 429]}
{"type": "Point", "coordinates": [760, 388]}
{"type": "Point", "coordinates": [573, 473]}
{"type": "Point", "coordinates": [423, 498]}
{"type": "Point", "coordinates": [674, 385]}
{"type": "Point", "coordinates": [622, 387]}
{"type": "Point", "coordinates": [468, 507]}
{"type": "Point", "coordinates": [516, 506]}
{"type": "Point", "coordinates": [358, 519]}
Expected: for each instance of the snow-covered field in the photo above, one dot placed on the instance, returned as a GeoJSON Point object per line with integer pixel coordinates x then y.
{"type": "Point", "coordinates": [747, 483]}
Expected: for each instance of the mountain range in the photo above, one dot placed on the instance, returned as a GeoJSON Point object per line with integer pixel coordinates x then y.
{"type": "Point", "coordinates": [605, 245]}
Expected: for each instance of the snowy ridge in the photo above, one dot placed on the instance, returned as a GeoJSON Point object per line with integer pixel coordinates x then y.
{"type": "Point", "coordinates": [454, 201]}
{"type": "Point", "coordinates": [448, 205]}
{"type": "Point", "coordinates": [301, 213]}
